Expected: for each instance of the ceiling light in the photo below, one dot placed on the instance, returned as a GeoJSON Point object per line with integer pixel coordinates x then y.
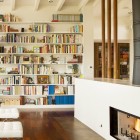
{"type": "Point", "coordinates": [50, 1]}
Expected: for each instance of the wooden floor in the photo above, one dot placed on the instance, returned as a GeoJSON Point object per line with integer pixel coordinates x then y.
{"type": "Point", "coordinates": [54, 125]}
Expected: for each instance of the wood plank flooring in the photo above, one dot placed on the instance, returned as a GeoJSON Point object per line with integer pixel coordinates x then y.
{"type": "Point", "coordinates": [40, 124]}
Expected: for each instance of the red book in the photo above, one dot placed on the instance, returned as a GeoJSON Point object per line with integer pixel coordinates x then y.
{"type": "Point", "coordinates": [55, 21]}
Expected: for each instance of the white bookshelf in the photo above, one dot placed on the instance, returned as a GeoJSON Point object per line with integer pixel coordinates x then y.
{"type": "Point", "coordinates": [69, 45]}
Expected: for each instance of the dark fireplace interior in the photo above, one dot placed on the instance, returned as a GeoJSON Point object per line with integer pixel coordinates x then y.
{"type": "Point", "coordinates": [123, 125]}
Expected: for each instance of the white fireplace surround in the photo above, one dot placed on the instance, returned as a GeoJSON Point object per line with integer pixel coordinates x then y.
{"type": "Point", "coordinates": [93, 99]}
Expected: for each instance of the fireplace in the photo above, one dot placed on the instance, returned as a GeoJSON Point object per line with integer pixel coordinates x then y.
{"type": "Point", "coordinates": [123, 125]}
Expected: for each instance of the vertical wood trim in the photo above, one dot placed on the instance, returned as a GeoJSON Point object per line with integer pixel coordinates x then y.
{"type": "Point", "coordinates": [109, 63]}
{"type": "Point", "coordinates": [103, 37]}
{"type": "Point", "coordinates": [115, 18]}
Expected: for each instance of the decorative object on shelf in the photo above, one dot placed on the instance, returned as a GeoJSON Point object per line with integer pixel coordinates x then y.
{"type": "Point", "coordinates": [30, 80]}
{"type": "Point", "coordinates": [30, 101]}
{"type": "Point", "coordinates": [75, 68]}
{"type": "Point", "coordinates": [53, 100]}
{"type": "Point", "coordinates": [42, 79]}
{"type": "Point", "coordinates": [1, 18]}
{"type": "Point", "coordinates": [54, 59]}
{"type": "Point", "coordinates": [30, 28]}
{"type": "Point", "coordinates": [1, 101]}
{"type": "Point", "coordinates": [22, 29]}
{"type": "Point", "coordinates": [2, 70]}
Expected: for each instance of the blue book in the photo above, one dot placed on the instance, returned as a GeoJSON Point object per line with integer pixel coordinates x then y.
{"type": "Point", "coordinates": [66, 100]}
{"type": "Point", "coordinates": [57, 100]}
{"type": "Point", "coordinates": [51, 89]}
{"type": "Point", "coordinates": [61, 100]}
{"type": "Point", "coordinates": [71, 99]}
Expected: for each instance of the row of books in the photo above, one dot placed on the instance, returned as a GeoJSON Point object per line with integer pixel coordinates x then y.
{"type": "Point", "coordinates": [67, 18]}
{"type": "Point", "coordinates": [58, 49]}
{"type": "Point", "coordinates": [53, 79]}
{"type": "Point", "coordinates": [62, 49]}
{"type": "Point", "coordinates": [10, 101]}
{"type": "Point", "coordinates": [9, 18]}
{"type": "Point", "coordinates": [38, 90]}
{"type": "Point", "coordinates": [10, 80]}
{"type": "Point", "coordinates": [60, 100]}
{"type": "Point", "coordinates": [27, 90]}
{"type": "Point", "coordinates": [6, 59]}
{"type": "Point", "coordinates": [55, 38]}
{"type": "Point", "coordinates": [49, 100]}
{"type": "Point", "coordinates": [42, 69]}
{"type": "Point", "coordinates": [1, 49]}
{"type": "Point", "coordinates": [48, 48]}
{"type": "Point", "coordinates": [27, 59]}
{"type": "Point", "coordinates": [76, 29]}
{"type": "Point", "coordinates": [7, 28]}
{"type": "Point", "coordinates": [43, 28]}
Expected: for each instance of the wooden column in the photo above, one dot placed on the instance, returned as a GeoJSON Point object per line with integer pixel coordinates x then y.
{"type": "Point", "coordinates": [115, 18]}
{"type": "Point", "coordinates": [103, 38]}
{"type": "Point", "coordinates": [109, 63]}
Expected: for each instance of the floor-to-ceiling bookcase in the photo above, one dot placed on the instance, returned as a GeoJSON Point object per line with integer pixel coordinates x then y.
{"type": "Point", "coordinates": [38, 63]}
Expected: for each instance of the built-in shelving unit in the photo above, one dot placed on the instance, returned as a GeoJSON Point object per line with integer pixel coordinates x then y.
{"type": "Point", "coordinates": [123, 65]}
{"type": "Point", "coordinates": [39, 62]}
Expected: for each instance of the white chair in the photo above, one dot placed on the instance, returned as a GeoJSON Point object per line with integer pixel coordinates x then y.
{"type": "Point", "coordinates": [9, 113]}
{"type": "Point", "coordinates": [11, 130]}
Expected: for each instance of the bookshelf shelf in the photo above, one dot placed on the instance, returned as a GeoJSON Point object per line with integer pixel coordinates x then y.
{"type": "Point", "coordinates": [41, 106]}
{"type": "Point", "coordinates": [18, 43]}
{"type": "Point", "coordinates": [41, 33]}
{"type": "Point", "coordinates": [39, 62]}
{"type": "Point", "coordinates": [41, 22]}
{"type": "Point", "coordinates": [41, 53]}
{"type": "Point", "coordinates": [35, 84]}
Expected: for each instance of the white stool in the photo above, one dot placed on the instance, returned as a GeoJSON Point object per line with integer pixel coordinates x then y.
{"type": "Point", "coordinates": [11, 130]}
{"type": "Point", "coordinates": [9, 113]}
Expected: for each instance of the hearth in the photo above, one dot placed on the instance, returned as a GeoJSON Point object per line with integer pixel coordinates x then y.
{"type": "Point", "coordinates": [123, 125]}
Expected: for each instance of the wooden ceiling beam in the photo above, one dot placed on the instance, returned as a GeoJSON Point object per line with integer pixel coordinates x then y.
{"type": "Point", "coordinates": [82, 4]}
{"type": "Point", "coordinates": [13, 5]}
{"type": "Point", "coordinates": [36, 6]}
{"type": "Point", "coordinates": [60, 5]}
{"type": "Point", "coordinates": [95, 3]}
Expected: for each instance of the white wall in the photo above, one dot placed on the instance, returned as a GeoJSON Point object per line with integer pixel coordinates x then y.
{"type": "Point", "coordinates": [123, 29]}
{"type": "Point", "coordinates": [88, 40]}
{"type": "Point", "coordinates": [93, 99]}
{"type": "Point", "coordinates": [27, 13]}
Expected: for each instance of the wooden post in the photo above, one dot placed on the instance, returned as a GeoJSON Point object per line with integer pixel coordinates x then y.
{"type": "Point", "coordinates": [103, 38]}
{"type": "Point", "coordinates": [116, 76]}
{"type": "Point", "coordinates": [109, 63]}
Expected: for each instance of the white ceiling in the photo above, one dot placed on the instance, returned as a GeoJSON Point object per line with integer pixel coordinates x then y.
{"type": "Point", "coordinates": [124, 6]}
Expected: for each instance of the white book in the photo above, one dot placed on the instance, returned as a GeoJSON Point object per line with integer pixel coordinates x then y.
{"type": "Point", "coordinates": [70, 90]}
{"type": "Point", "coordinates": [39, 90]}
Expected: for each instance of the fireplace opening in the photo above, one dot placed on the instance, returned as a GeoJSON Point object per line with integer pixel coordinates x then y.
{"type": "Point", "coordinates": [123, 125]}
